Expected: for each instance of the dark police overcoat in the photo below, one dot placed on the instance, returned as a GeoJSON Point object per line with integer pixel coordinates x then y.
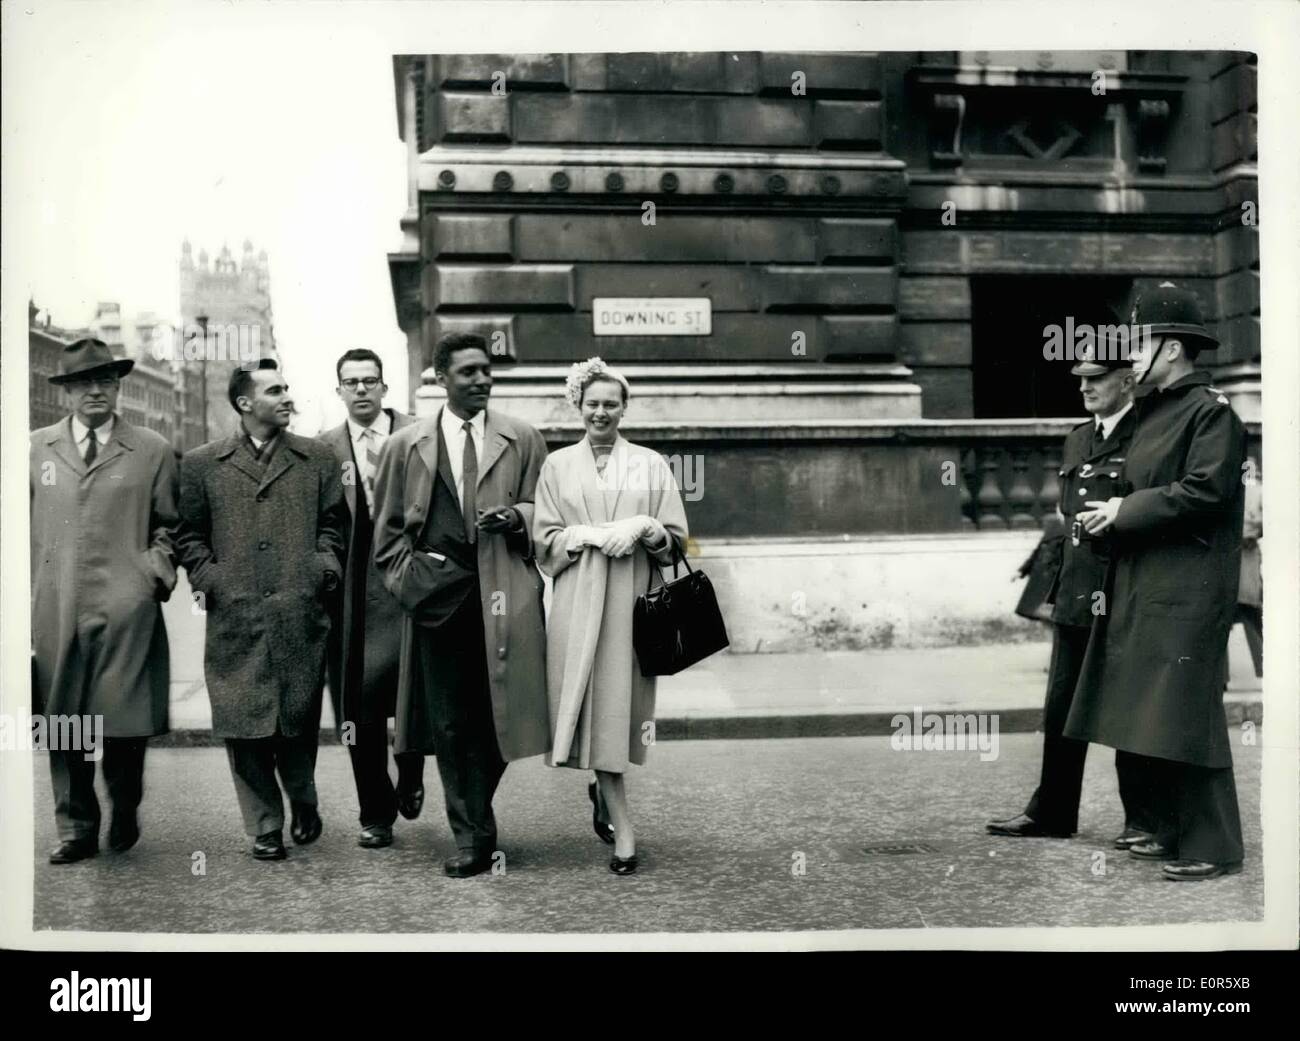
{"type": "Point", "coordinates": [1152, 678]}
{"type": "Point", "coordinates": [257, 542]}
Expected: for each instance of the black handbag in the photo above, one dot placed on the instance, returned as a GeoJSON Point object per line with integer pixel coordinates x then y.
{"type": "Point", "coordinates": [677, 624]}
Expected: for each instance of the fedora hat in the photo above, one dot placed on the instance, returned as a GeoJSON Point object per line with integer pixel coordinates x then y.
{"type": "Point", "coordinates": [87, 359]}
{"type": "Point", "coordinates": [1169, 310]}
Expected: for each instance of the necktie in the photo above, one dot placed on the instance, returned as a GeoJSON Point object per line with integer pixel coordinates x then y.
{"type": "Point", "coordinates": [469, 478]}
{"type": "Point", "coordinates": [371, 464]}
{"type": "Point", "coordinates": [92, 447]}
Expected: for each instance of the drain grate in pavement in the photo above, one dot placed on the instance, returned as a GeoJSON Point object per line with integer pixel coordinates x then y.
{"type": "Point", "coordinates": [899, 849]}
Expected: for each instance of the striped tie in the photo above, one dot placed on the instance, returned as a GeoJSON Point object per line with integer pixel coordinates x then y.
{"type": "Point", "coordinates": [371, 465]}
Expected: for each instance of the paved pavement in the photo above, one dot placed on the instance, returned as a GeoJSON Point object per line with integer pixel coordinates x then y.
{"type": "Point", "coordinates": [721, 828]}
{"type": "Point", "coordinates": [815, 694]}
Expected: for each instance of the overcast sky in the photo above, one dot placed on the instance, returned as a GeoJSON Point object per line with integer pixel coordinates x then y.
{"type": "Point", "coordinates": [188, 125]}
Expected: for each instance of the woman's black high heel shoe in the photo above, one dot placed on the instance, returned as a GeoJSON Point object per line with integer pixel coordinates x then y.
{"type": "Point", "coordinates": [621, 866]}
{"type": "Point", "coordinates": [604, 832]}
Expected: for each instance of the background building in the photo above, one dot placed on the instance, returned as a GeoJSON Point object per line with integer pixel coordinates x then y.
{"type": "Point", "coordinates": [229, 295]}
{"type": "Point", "coordinates": [149, 396]}
{"type": "Point", "coordinates": [877, 242]}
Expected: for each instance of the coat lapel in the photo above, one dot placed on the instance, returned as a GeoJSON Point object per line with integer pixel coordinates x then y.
{"type": "Point", "coordinates": [495, 439]}
{"type": "Point", "coordinates": [286, 454]}
{"type": "Point", "coordinates": [427, 446]}
{"type": "Point", "coordinates": [340, 439]}
{"type": "Point", "coordinates": [119, 443]}
{"type": "Point", "coordinates": [239, 457]}
{"type": "Point", "coordinates": [66, 448]}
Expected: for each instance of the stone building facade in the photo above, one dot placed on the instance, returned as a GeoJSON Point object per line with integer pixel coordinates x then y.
{"type": "Point", "coordinates": [875, 244]}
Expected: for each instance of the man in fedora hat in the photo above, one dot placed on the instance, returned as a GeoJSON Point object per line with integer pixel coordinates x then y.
{"type": "Point", "coordinates": [103, 504]}
{"type": "Point", "coordinates": [1152, 678]}
{"type": "Point", "coordinates": [1092, 462]}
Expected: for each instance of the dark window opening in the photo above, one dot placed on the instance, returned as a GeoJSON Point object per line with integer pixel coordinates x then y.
{"type": "Point", "coordinates": [1011, 378]}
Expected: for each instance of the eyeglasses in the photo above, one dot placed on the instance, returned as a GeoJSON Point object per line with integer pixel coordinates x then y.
{"type": "Point", "coordinates": [370, 383]}
{"type": "Point", "coordinates": [100, 382]}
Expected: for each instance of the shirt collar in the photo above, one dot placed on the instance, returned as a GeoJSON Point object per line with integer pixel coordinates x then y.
{"type": "Point", "coordinates": [452, 423]}
{"type": "Point", "coordinates": [382, 426]}
{"type": "Point", "coordinates": [102, 433]}
{"type": "Point", "coordinates": [1107, 425]}
{"type": "Point", "coordinates": [259, 445]}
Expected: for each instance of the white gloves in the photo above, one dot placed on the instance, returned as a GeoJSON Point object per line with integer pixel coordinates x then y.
{"type": "Point", "coordinates": [614, 538]}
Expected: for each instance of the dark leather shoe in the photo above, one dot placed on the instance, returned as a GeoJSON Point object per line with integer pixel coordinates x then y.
{"type": "Point", "coordinates": [375, 836]}
{"type": "Point", "coordinates": [1151, 849]}
{"type": "Point", "coordinates": [603, 829]}
{"type": "Point", "coordinates": [1130, 837]}
{"type": "Point", "coordinates": [623, 865]}
{"type": "Point", "coordinates": [306, 825]}
{"type": "Point", "coordinates": [124, 832]}
{"type": "Point", "coordinates": [410, 803]}
{"type": "Point", "coordinates": [69, 851]}
{"type": "Point", "coordinates": [269, 846]}
{"type": "Point", "coordinates": [467, 864]}
{"type": "Point", "coordinates": [1023, 827]}
{"type": "Point", "coordinates": [1197, 870]}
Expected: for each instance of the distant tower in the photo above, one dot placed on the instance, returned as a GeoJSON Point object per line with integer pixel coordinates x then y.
{"type": "Point", "coordinates": [236, 298]}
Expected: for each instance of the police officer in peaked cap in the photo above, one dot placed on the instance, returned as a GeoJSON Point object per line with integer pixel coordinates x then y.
{"type": "Point", "coordinates": [1092, 462]}
{"type": "Point", "coordinates": [1151, 681]}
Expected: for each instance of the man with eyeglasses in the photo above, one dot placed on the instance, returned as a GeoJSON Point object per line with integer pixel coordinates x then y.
{"type": "Point", "coordinates": [103, 506]}
{"type": "Point", "coordinates": [261, 540]}
{"type": "Point", "coordinates": [365, 638]}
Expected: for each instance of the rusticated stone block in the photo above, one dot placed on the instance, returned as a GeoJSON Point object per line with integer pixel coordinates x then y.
{"type": "Point", "coordinates": [498, 330]}
{"type": "Point", "coordinates": [1235, 140]}
{"type": "Point", "coordinates": [661, 120]}
{"type": "Point", "coordinates": [483, 70]}
{"type": "Point", "coordinates": [1051, 252]}
{"type": "Point", "coordinates": [847, 125]}
{"type": "Point", "coordinates": [470, 235]}
{"type": "Point", "coordinates": [1239, 341]}
{"type": "Point", "coordinates": [847, 238]}
{"type": "Point", "coordinates": [934, 343]}
{"type": "Point", "coordinates": [829, 287]}
{"type": "Point", "coordinates": [736, 339]}
{"type": "Point", "coordinates": [674, 239]}
{"type": "Point", "coordinates": [1238, 294]}
{"type": "Point", "coordinates": [474, 117]}
{"type": "Point", "coordinates": [935, 299]}
{"type": "Point", "coordinates": [518, 287]}
{"type": "Point", "coordinates": [728, 288]}
{"type": "Point", "coordinates": [859, 337]}
{"type": "Point", "coordinates": [1236, 248]}
{"type": "Point", "coordinates": [689, 73]}
{"type": "Point", "coordinates": [946, 393]}
{"type": "Point", "coordinates": [836, 73]}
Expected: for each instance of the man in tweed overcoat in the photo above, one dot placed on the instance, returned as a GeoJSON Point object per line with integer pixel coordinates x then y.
{"type": "Point", "coordinates": [261, 539]}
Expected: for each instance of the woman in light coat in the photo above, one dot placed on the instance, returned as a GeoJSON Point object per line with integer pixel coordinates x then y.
{"type": "Point", "coordinates": [606, 512]}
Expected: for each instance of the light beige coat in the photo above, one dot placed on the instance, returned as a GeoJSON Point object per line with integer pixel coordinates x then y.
{"type": "Point", "coordinates": [102, 557]}
{"type": "Point", "coordinates": [601, 707]}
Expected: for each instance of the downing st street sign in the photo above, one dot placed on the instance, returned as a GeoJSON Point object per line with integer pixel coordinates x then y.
{"type": "Point", "coordinates": [652, 316]}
